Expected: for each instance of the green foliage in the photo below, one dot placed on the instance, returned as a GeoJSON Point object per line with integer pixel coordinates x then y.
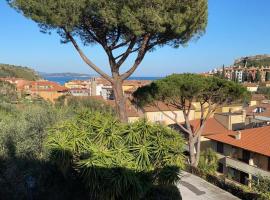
{"type": "Point", "coordinates": [240, 191]}
{"type": "Point", "coordinates": [22, 154]}
{"type": "Point", "coordinates": [8, 96]}
{"type": "Point", "coordinates": [25, 131]}
{"type": "Point", "coordinates": [208, 162]}
{"type": "Point", "coordinates": [245, 76]}
{"type": "Point", "coordinates": [8, 92]}
{"type": "Point", "coordinates": [262, 186]}
{"type": "Point", "coordinates": [81, 103]}
{"type": "Point", "coordinates": [267, 76]}
{"type": "Point", "coordinates": [170, 22]}
{"type": "Point", "coordinates": [131, 158]}
{"type": "Point", "coordinates": [18, 72]}
{"type": "Point", "coordinates": [250, 78]}
{"type": "Point", "coordinates": [258, 76]}
{"type": "Point", "coordinates": [120, 27]}
{"type": "Point", "coordinates": [254, 61]}
{"type": "Point", "coordinates": [93, 151]}
{"type": "Point", "coordinates": [179, 89]}
{"type": "Point", "coordinates": [265, 91]}
{"type": "Point", "coordinates": [163, 193]}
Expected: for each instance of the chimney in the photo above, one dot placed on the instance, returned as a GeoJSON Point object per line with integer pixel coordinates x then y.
{"type": "Point", "coordinates": [238, 135]}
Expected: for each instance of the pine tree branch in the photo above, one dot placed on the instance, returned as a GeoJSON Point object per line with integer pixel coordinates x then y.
{"type": "Point", "coordinates": [85, 59]}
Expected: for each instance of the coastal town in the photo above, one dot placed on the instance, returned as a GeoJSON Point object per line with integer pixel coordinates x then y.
{"type": "Point", "coordinates": [134, 100]}
{"type": "Point", "coordinates": [237, 132]}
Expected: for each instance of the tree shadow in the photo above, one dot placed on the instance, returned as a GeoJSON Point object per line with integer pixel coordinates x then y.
{"type": "Point", "coordinates": [24, 178]}
{"type": "Point", "coordinates": [33, 179]}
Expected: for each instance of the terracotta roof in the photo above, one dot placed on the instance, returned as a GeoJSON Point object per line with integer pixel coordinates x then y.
{"type": "Point", "coordinates": [131, 110]}
{"type": "Point", "coordinates": [52, 86]}
{"type": "Point", "coordinates": [20, 83]}
{"type": "Point", "coordinates": [266, 82]}
{"type": "Point", "coordinates": [102, 81]}
{"type": "Point", "coordinates": [250, 85]}
{"type": "Point", "coordinates": [212, 127]}
{"type": "Point", "coordinates": [258, 97]}
{"type": "Point", "coordinates": [252, 110]}
{"type": "Point", "coordinates": [137, 83]}
{"type": "Point", "coordinates": [76, 81]}
{"type": "Point", "coordinates": [256, 140]}
{"type": "Point", "coordinates": [161, 106]}
{"type": "Point", "coordinates": [99, 98]}
{"type": "Point", "coordinates": [80, 89]}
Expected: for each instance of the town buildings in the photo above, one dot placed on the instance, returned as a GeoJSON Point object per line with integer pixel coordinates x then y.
{"type": "Point", "coordinates": [34, 89]}
{"type": "Point", "coordinates": [165, 114]}
{"type": "Point", "coordinates": [243, 155]}
{"type": "Point", "coordinates": [251, 87]}
{"type": "Point", "coordinates": [240, 135]}
{"type": "Point", "coordinates": [243, 74]}
{"type": "Point", "coordinates": [45, 89]}
{"type": "Point", "coordinates": [98, 86]}
{"type": "Point", "coordinates": [242, 142]}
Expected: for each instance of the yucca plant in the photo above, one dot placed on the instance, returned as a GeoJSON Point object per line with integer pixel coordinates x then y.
{"type": "Point", "coordinates": [208, 163]}
{"type": "Point", "coordinates": [116, 161]}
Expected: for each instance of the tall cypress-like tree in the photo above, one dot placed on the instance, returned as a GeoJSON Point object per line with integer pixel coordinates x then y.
{"type": "Point", "coordinates": [223, 72]}
{"type": "Point", "coordinates": [258, 76]}
{"type": "Point", "coordinates": [120, 27]}
{"type": "Point", "coordinates": [245, 76]}
{"type": "Point", "coordinates": [267, 76]}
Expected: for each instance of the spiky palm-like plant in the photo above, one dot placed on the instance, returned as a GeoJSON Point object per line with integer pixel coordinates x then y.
{"type": "Point", "coordinates": [115, 160]}
{"type": "Point", "coordinates": [208, 163]}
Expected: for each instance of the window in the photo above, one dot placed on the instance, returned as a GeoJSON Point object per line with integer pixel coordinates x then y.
{"type": "Point", "coordinates": [220, 167]}
{"type": "Point", "coordinates": [220, 148]}
{"type": "Point", "coordinates": [246, 156]}
{"type": "Point", "coordinates": [161, 116]}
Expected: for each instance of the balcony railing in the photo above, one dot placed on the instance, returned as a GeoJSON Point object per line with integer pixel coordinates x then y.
{"type": "Point", "coordinates": [241, 166]}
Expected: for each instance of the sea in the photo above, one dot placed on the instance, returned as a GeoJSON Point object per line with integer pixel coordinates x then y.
{"type": "Point", "coordinates": [63, 79]}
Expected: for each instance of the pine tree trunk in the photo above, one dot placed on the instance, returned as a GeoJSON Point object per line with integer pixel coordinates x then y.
{"type": "Point", "coordinates": [192, 155]}
{"type": "Point", "coordinates": [120, 100]}
{"type": "Point", "coordinates": [198, 150]}
{"type": "Point", "coordinates": [194, 145]}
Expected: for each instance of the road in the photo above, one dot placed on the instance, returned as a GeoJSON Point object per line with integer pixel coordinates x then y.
{"type": "Point", "coordinates": [195, 188]}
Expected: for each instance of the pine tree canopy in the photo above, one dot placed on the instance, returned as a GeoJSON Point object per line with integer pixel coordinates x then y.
{"type": "Point", "coordinates": [171, 22]}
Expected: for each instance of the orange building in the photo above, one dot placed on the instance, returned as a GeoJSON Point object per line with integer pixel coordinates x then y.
{"type": "Point", "coordinates": [45, 89]}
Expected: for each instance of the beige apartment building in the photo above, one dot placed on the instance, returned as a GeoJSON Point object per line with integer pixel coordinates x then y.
{"type": "Point", "coordinates": [243, 155]}
{"type": "Point", "coordinates": [165, 114]}
{"type": "Point", "coordinates": [243, 151]}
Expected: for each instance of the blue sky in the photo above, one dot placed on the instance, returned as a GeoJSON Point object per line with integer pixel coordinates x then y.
{"type": "Point", "coordinates": [235, 28]}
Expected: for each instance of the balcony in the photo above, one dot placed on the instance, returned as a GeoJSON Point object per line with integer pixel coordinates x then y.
{"type": "Point", "coordinates": [241, 166]}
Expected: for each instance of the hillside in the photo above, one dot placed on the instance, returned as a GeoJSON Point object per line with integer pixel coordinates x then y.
{"type": "Point", "coordinates": [256, 61]}
{"type": "Point", "coordinates": [18, 72]}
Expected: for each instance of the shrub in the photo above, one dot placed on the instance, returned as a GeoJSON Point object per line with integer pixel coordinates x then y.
{"type": "Point", "coordinates": [22, 155]}
{"type": "Point", "coordinates": [239, 191]}
{"type": "Point", "coordinates": [262, 186]}
{"type": "Point", "coordinates": [82, 103]}
{"type": "Point", "coordinates": [115, 160]}
{"type": "Point", "coordinates": [208, 162]}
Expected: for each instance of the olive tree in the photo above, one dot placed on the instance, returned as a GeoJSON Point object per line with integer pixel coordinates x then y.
{"type": "Point", "coordinates": [120, 27]}
{"type": "Point", "coordinates": [181, 90]}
